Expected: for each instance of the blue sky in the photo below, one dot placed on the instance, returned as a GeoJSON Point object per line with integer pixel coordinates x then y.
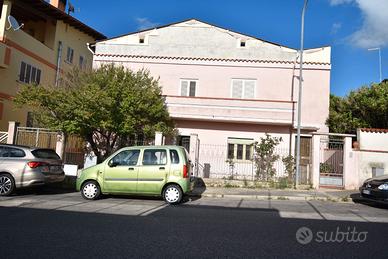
{"type": "Point", "coordinates": [349, 26]}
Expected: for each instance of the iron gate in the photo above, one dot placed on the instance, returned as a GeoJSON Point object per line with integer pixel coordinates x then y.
{"type": "Point", "coordinates": [331, 162]}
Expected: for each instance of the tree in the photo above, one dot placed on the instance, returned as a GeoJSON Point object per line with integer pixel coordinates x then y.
{"type": "Point", "coordinates": [364, 107]}
{"type": "Point", "coordinates": [106, 106]}
{"type": "Point", "coordinates": [265, 157]}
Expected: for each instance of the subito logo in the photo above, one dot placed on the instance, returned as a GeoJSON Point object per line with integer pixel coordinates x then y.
{"type": "Point", "coordinates": [304, 235]}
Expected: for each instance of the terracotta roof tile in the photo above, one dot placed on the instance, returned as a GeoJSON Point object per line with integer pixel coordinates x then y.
{"type": "Point", "coordinates": [209, 59]}
{"type": "Point", "coordinates": [373, 130]}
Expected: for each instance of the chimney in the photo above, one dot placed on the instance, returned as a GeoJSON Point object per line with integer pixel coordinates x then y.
{"type": "Point", "coordinates": [60, 4]}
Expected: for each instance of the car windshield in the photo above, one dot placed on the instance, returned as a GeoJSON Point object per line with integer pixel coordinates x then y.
{"type": "Point", "coordinates": [45, 153]}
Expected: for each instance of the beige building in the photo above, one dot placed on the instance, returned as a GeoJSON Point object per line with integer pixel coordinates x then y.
{"type": "Point", "coordinates": [48, 42]}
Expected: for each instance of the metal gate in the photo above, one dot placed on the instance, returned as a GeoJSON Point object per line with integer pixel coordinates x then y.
{"type": "Point", "coordinates": [36, 137]}
{"type": "Point", "coordinates": [331, 162]}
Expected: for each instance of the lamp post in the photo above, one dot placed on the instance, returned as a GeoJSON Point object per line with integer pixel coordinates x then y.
{"type": "Point", "coordinates": [300, 95]}
{"type": "Point", "coordinates": [379, 49]}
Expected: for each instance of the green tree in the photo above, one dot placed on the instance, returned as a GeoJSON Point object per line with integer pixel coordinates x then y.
{"type": "Point", "coordinates": [265, 157]}
{"type": "Point", "coordinates": [106, 106]}
{"type": "Point", "coordinates": [364, 107]}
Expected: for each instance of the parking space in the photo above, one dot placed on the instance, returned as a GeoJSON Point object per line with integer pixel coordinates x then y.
{"type": "Point", "coordinates": [48, 199]}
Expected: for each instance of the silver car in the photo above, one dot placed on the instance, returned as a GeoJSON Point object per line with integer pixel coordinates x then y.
{"type": "Point", "coordinates": [22, 167]}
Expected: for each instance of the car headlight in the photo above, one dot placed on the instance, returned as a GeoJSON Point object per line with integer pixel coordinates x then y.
{"type": "Point", "coordinates": [383, 186]}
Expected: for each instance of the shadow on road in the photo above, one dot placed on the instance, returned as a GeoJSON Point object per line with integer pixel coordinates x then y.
{"type": "Point", "coordinates": [357, 198]}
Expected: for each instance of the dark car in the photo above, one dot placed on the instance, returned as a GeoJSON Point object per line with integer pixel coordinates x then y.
{"type": "Point", "coordinates": [375, 188]}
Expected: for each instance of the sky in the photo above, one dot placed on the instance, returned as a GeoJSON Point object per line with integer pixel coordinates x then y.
{"type": "Point", "coordinates": [350, 27]}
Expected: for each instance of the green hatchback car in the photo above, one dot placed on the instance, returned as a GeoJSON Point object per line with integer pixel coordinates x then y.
{"type": "Point", "coordinates": [143, 170]}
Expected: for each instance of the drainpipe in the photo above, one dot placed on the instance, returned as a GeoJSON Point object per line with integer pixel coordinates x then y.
{"type": "Point", "coordinates": [58, 62]}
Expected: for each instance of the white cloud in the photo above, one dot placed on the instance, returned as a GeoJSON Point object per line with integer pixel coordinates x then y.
{"type": "Point", "coordinates": [144, 23]}
{"type": "Point", "coordinates": [338, 2]}
{"type": "Point", "coordinates": [336, 27]}
{"type": "Point", "coordinates": [374, 30]}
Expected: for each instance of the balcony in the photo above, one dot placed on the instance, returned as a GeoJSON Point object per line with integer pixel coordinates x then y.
{"type": "Point", "coordinates": [231, 110]}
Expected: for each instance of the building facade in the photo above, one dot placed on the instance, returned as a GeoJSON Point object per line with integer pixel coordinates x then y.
{"type": "Point", "coordinates": [48, 43]}
{"type": "Point", "coordinates": [225, 89]}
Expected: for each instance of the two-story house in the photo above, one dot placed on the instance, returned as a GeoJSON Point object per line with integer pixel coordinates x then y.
{"type": "Point", "coordinates": [46, 43]}
{"type": "Point", "coordinates": [226, 89]}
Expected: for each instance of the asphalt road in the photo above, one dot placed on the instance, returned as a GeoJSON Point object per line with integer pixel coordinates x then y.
{"type": "Point", "coordinates": [63, 225]}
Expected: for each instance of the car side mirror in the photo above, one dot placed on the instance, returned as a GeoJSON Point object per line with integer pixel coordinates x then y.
{"type": "Point", "coordinates": [111, 163]}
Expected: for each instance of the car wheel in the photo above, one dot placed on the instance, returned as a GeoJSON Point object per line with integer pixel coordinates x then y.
{"type": "Point", "coordinates": [91, 190]}
{"type": "Point", "coordinates": [172, 194]}
{"type": "Point", "coordinates": [7, 184]}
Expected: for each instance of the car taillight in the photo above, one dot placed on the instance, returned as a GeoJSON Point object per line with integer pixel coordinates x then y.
{"type": "Point", "coordinates": [35, 164]}
{"type": "Point", "coordinates": [185, 173]}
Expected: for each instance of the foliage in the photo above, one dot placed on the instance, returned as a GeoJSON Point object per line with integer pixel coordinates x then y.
{"type": "Point", "coordinates": [364, 107]}
{"type": "Point", "coordinates": [325, 168]}
{"type": "Point", "coordinates": [231, 168]}
{"type": "Point", "coordinates": [290, 164]}
{"type": "Point", "coordinates": [265, 157]}
{"type": "Point", "coordinates": [106, 106]}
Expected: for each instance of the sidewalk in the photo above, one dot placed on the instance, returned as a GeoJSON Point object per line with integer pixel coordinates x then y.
{"type": "Point", "coordinates": [275, 194]}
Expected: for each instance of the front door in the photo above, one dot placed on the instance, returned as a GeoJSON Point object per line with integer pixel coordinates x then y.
{"type": "Point", "coordinates": [153, 173]}
{"type": "Point", "coordinates": [120, 174]}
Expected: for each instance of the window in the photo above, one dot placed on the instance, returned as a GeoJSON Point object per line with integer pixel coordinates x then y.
{"type": "Point", "coordinates": [377, 171]}
{"type": "Point", "coordinates": [70, 55]}
{"type": "Point", "coordinates": [154, 157]}
{"type": "Point", "coordinates": [82, 62]}
{"type": "Point", "coordinates": [141, 40]}
{"type": "Point", "coordinates": [174, 157]}
{"type": "Point", "coordinates": [29, 74]}
{"type": "Point", "coordinates": [188, 87]}
{"type": "Point", "coordinates": [242, 43]}
{"type": "Point", "coordinates": [243, 88]}
{"type": "Point", "coordinates": [126, 158]}
{"type": "Point", "coordinates": [240, 149]}
{"type": "Point", "coordinates": [11, 152]}
{"type": "Point", "coordinates": [45, 154]}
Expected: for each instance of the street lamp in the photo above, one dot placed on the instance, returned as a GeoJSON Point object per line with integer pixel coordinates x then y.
{"type": "Point", "coordinates": [300, 96]}
{"type": "Point", "coordinates": [373, 49]}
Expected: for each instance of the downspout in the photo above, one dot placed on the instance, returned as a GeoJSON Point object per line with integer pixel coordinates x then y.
{"type": "Point", "coordinates": [293, 103]}
{"type": "Point", "coordinates": [59, 57]}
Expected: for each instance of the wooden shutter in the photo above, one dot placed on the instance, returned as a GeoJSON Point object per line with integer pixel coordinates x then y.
{"type": "Point", "coordinates": [184, 88]}
{"type": "Point", "coordinates": [249, 89]}
{"type": "Point", "coordinates": [237, 88]}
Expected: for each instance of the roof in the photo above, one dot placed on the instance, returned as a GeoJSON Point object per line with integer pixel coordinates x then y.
{"type": "Point", "coordinates": [58, 14]}
{"type": "Point", "coordinates": [171, 24]}
{"type": "Point", "coordinates": [209, 59]}
{"type": "Point", "coordinates": [374, 130]}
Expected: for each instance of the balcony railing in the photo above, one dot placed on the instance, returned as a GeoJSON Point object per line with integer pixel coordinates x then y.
{"type": "Point", "coordinates": [231, 110]}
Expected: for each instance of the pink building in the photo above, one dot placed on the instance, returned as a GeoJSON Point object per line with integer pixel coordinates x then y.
{"type": "Point", "coordinates": [225, 89]}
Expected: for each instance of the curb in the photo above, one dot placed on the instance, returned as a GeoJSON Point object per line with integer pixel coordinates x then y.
{"type": "Point", "coordinates": [266, 197]}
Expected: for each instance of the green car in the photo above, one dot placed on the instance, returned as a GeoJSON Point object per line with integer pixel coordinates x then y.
{"type": "Point", "coordinates": [146, 170]}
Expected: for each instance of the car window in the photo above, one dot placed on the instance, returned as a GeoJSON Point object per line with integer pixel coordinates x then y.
{"type": "Point", "coordinates": [126, 157]}
{"type": "Point", "coordinates": [45, 154]}
{"type": "Point", "coordinates": [174, 157]}
{"type": "Point", "coordinates": [11, 152]}
{"type": "Point", "coordinates": [155, 157]}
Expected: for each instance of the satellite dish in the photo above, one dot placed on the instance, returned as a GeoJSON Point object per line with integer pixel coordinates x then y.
{"type": "Point", "coordinates": [13, 23]}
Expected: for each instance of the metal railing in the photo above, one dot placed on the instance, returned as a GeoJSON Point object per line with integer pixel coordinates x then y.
{"type": "Point", "coordinates": [3, 137]}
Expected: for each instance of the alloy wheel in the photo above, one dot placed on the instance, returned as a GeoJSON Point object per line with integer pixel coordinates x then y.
{"type": "Point", "coordinates": [5, 184]}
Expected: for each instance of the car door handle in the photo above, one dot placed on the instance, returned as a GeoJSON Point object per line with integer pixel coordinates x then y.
{"type": "Point", "coordinates": [131, 168]}
{"type": "Point", "coordinates": [162, 168]}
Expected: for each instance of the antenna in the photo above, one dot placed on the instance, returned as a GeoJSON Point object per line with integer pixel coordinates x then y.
{"type": "Point", "coordinates": [13, 23]}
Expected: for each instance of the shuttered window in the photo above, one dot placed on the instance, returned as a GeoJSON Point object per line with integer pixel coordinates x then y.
{"type": "Point", "coordinates": [240, 149]}
{"type": "Point", "coordinates": [29, 74]}
{"type": "Point", "coordinates": [188, 87]}
{"type": "Point", "coordinates": [243, 88]}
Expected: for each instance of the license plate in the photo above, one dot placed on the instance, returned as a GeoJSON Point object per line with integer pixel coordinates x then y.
{"type": "Point", "coordinates": [367, 192]}
{"type": "Point", "coordinates": [55, 168]}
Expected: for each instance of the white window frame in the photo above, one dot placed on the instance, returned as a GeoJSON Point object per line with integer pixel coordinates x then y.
{"type": "Point", "coordinates": [235, 142]}
{"type": "Point", "coordinates": [243, 89]}
{"type": "Point", "coordinates": [188, 92]}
